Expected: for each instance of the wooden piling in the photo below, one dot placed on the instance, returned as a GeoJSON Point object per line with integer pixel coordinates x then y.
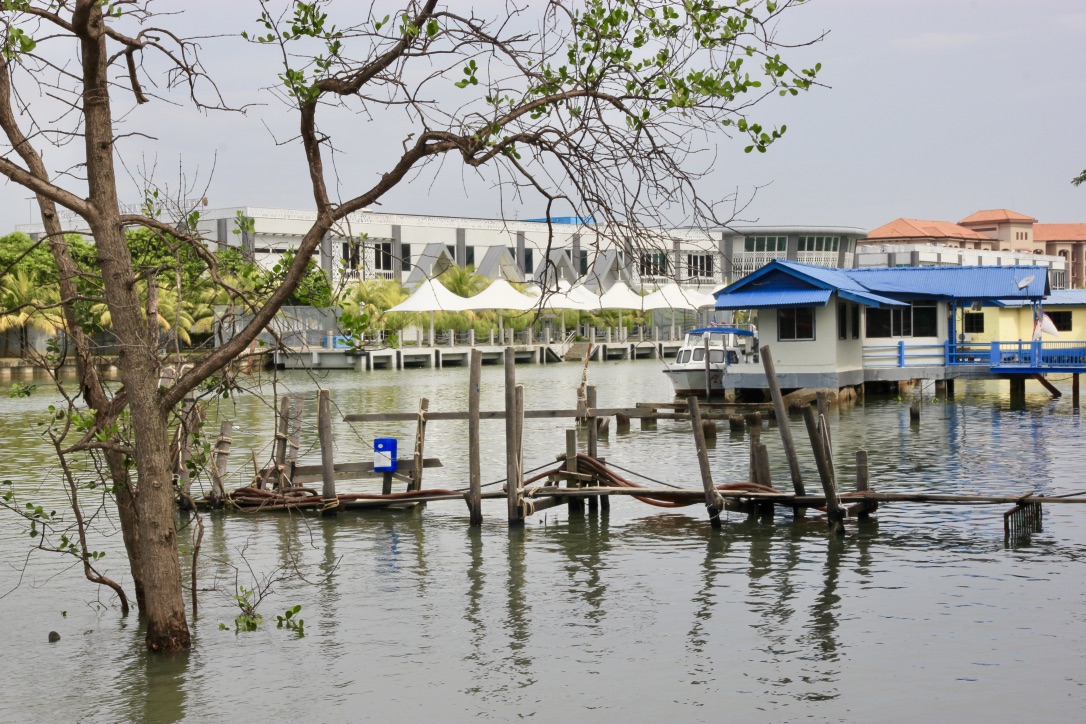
{"type": "Point", "coordinates": [708, 428]}
{"type": "Point", "coordinates": [420, 445]}
{"type": "Point", "coordinates": [711, 495]}
{"type": "Point", "coordinates": [512, 483]}
{"type": "Point", "coordinates": [1074, 392]}
{"type": "Point", "coordinates": [821, 449]}
{"type": "Point", "coordinates": [221, 463]}
{"type": "Point", "coordinates": [823, 412]}
{"type": "Point", "coordinates": [328, 465]}
{"type": "Point", "coordinates": [622, 423]}
{"type": "Point", "coordinates": [648, 423]}
{"type": "Point", "coordinates": [914, 411]}
{"type": "Point", "coordinates": [863, 484]}
{"type": "Point", "coordinates": [1018, 391]}
{"type": "Point", "coordinates": [735, 423]}
{"type": "Point", "coordinates": [783, 425]}
{"type": "Point", "coordinates": [281, 435]}
{"type": "Point", "coordinates": [575, 505]}
{"type": "Point", "coordinates": [593, 438]}
{"type": "Point", "coordinates": [475, 490]}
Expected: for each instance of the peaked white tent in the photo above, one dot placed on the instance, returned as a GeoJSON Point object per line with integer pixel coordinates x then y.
{"type": "Point", "coordinates": [672, 296]}
{"type": "Point", "coordinates": [620, 296]}
{"type": "Point", "coordinates": [431, 296]}
{"type": "Point", "coordinates": [501, 295]}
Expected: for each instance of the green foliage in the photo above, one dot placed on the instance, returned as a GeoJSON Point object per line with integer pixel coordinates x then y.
{"type": "Point", "coordinates": [160, 256]}
{"type": "Point", "coordinates": [247, 619]}
{"type": "Point", "coordinates": [314, 289]}
{"type": "Point", "coordinates": [20, 390]}
{"type": "Point", "coordinates": [1079, 180]}
{"type": "Point", "coordinates": [289, 621]}
{"type": "Point", "coordinates": [19, 253]}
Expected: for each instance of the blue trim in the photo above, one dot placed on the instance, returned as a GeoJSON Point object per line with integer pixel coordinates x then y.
{"type": "Point", "coordinates": [726, 330]}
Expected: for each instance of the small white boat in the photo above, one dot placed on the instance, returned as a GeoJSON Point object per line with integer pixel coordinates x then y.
{"type": "Point", "coordinates": [724, 345]}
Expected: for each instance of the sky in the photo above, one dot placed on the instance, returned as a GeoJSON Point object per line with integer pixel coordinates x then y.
{"type": "Point", "coordinates": [933, 109]}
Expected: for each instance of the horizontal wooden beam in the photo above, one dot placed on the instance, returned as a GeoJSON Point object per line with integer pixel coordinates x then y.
{"type": "Point", "coordinates": [635, 412]}
{"type": "Point", "coordinates": [355, 471]}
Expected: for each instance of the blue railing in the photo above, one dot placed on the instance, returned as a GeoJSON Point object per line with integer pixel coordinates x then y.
{"type": "Point", "coordinates": [996, 355]}
{"type": "Point", "coordinates": [1024, 354]}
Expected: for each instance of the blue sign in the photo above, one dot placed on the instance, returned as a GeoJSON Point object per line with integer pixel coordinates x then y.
{"type": "Point", "coordinates": [384, 454]}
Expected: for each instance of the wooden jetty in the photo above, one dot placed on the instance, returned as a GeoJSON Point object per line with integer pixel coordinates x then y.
{"type": "Point", "coordinates": [576, 479]}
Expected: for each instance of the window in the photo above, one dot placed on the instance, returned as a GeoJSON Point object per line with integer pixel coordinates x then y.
{"type": "Point", "coordinates": [855, 321]}
{"type": "Point", "coordinates": [405, 257]}
{"type": "Point", "coordinates": [842, 320]}
{"type": "Point", "coordinates": [382, 256]}
{"type": "Point", "coordinates": [716, 355]}
{"type": "Point", "coordinates": [583, 262]}
{"type": "Point", "coordinates": [918, 320]}
{"type": "Point", "coordinates": [819, 243]}
{"type": "Point", "coordinates": [653, 265]}
{"type": "Point", "coordinates": [469, 256]}
{"type": "Point", "coordinates": [766, 243]}
{"type": "Point", "coordinates": [795, 323]}
{"type": "Point", "coordinates": [699, 354]}
{"type": "Point", "coordinates": [973, 323]}
{"type": "Point", "coordinates": [699, 265]}
{"type": "Point", "coordinates": [351, 255]}
{"type": "Point", "coordinates": [451, 248]}
{"type": "Point", "coordinates": [529, 264]}
{"type": "Point", "coordinates": [1062, 320]}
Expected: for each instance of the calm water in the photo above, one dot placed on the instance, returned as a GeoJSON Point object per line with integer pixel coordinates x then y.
{"type": "Point", "coordinates": [640, 615]}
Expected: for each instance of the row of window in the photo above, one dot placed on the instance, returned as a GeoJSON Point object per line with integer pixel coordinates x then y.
{"type": "Point", "coordinates": [973, 322]}
{"type": "Point", "coordinates": [384, 260]}
{"type": "Point", "coordinates": [918, 320]}
{"type": "Point", "coordinates": [766, 243]}
{"type": "Point", "coordinates": [819, 243]}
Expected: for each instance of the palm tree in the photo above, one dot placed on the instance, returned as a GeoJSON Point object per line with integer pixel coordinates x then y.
{"type": "Point", "coordinates": [25, 304]}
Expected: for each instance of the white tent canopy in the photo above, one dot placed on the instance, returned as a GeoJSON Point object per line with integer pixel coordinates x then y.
{"type": "Point", "coordinates": [672, 296]}
{"type": "Point", "coordinates": [501, 295]}
{"type": "Point", "coordinates": [431, 296]}
{"type": "Point", "coordinates": [620, 296]}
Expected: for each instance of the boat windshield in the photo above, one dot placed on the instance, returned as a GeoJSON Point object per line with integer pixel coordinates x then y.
{"type": "Point", "coordinates": [716, 339]}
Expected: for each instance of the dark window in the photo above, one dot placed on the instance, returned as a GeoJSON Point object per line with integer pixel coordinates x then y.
{"type": "Point", "coordinates": [583, 262]}
{"type": "Point", "coordinates": [1062, 320]}
{"type": "Point", "coordinates": [855, 321]}
{"type": "Point", "coordinates": [469, 256]}
{"type": "Point", "coordinates": [699, 265]}
{"type": "Point", "coordinates": [405, 257]}
{"type": "Point", "coordinates": [653, 265]}
{"type": "Point", "coordinates": [919, 320]}
{"type": "Point", "coordinates": [795, 323]}
{"type": "Point", "coordinates": [451, 248]}
{"type": "Point", "coordinates": [842, 320]}
{"type": "Point", "coordinates": [350, 255]}
{"type": "Point", "coordinates": [925, 319]}
{"type": "Point", "coordinates": [529, 264]}
{"type": "Point", "coordinates": [382, 256]}
{"type": "Point", "coordinates": [973, 323]}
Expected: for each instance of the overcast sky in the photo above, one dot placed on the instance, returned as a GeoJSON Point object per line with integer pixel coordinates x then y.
{"type": "Point", "coordinates": [936, 109]}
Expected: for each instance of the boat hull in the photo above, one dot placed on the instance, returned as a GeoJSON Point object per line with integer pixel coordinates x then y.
{"type": "Point", "coordinates": [692, 381]}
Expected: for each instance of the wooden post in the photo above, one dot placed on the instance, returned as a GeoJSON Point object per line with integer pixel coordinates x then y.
{"type": "Point", "coordinates": [708, 369]}
{"type": "Point", "coordinates": [294, 442]}
{"type": "Point", "coordinates": [819, 445]}
{"type": "Point", "coordinates": [863, 484]}
{"type": "Point", "coordinates": [420, 444]}
{"type": "Point", "coordinates": [1074, 392]}
{"type": "Point", "coordinates": [648, 422]}
{"type": "Point", "coordinates": [1018, 391]}
{"type": "Point", "coordinates": [222, 459]}
{"type": "Point", "coordinates": [762, 464]}
{"type": "Point", "coordinates": [511, 483]}
{"type": "Point", "coordinates": [386, 483]}
{"type": "Point", "coordinates": [622, 423]}
{"type": "Point", "coordinates": [184, 454]}
{"type": "Point", "coordinates": [754, 430]}
{"type": "Point", "coordinates": [520, 436]}
{"type": "Point", "coordinates": [703, 462]}
{"type": "Point", "coordinates": [709, 428]}
{"type": "Point", "coordinates": [574, 505]}
{"type": "Point", "coordinates": [735, 423]}
{"type": "Point", "coordinates": [593, 438]}
{"type": "Point", "coordinates": [782, 423]}
{"type": "Point", "coordinates": [823, 412]}
{"type": "Point", "coordinates": [328, 464]}
{"type": "Point", "coordinates": [281, 435]}
{"type": "Point", "coordinates": [914, 411]}
{"type": "Point", "coordinates": [475, 489]}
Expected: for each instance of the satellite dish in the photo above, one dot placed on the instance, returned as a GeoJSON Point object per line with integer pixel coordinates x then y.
{"type": "Point", "coordinates": [1022, 284]}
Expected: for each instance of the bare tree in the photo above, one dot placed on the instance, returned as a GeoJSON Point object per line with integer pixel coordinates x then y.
{"type": "Point", "coordinates": [610, 108]}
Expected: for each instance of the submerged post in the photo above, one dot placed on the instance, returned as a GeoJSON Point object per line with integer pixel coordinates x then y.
{"type": "Point", "coordinates": [593, 437]}
{"type": "Point", "coordinates": [573, 505]}
{"type": "Point", "coordinates": [281, 435]}
{"type": "Point", "coordinates": [222, 459]}
{"type": "Point", "coordinates": [783, 425]}
{"type": "Point", "coordinates": [819, 445]}
{"type": "Point", "coordinates": [512, 483]}
{"type": "Point", "coordinates": [711, 496]}
{"type": "Point", "coordinates": [328, 467]}
{"type": "Point", "coordinates": [420, 444]}
{"type": "Point", "coordinates": [475, 490]}
{"type": "Point", "coordinates": [1074, 392]}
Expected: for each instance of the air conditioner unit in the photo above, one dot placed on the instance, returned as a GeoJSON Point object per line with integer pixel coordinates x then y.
{"type": "Point", "coordinates": [976, 306]}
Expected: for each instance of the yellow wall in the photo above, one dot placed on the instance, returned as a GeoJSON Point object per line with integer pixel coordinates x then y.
{"type": "Point", "coordinates": [1008, 324]}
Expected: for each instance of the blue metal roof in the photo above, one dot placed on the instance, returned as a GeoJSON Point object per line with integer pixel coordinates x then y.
{"type": "Point", "coordinates": [725, 330]}
{"type": "Point", "coordinates": [956, 282]}
{"type": "Point", "coordinates": [787, 283]}
{"type": "Point", "coordinates": [758, 298]}
{"type": "Point", "coordinates": [1058, 298]}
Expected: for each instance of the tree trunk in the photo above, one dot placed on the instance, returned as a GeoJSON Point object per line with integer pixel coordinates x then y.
{"type": "Point", "coordinates": [156, 551]}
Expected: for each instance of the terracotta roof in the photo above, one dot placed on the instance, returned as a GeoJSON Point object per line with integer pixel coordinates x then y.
{"type": "Point", "coordinates": [991, 215]}
{"type": "Point", "coordinates": [923, 229]}
{"type": "Point", "coordinates": [1059, 232]}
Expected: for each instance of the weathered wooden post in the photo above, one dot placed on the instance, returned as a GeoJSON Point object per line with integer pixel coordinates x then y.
{"type": "Point", "coordinates": [820, 446]}
{"type": "Point", "coordinates": [328, 466]}
{"type": "Point", "coordinates": [823, 412]}
{"type": "Point", "coordinates": [754, 433]}
{"type": "Point", "coordinates": [281, 435]}
{"type": "Point", "coordinates": [735, 423]}
{"type": "Point", "coordinates": [475, 489]}
{"type": "Point", "coordinates": [1074, 392]}
{"type": "Point", "coordinates": [573, 505]}
{"type": "Point", "coordinates": [512, 485]}
{"type": "Point", "coordinates": [863, 484]}
{"type": "Point", "coordinates": [708, 369]}
{"type": "Point", "coordinates": [783, 425]}
{"type": "Point", "coordinates": [914, 412]}
{"type": "Point", "coordinates": [712, 502]}
{"type": "Point", "coordinates": [420, 444]}
{"type": "Point", "coordinates": [222, 460]}
{"type": "Point", "coordinates": [622, 423]}
{"type": "Point", "coordinates": [593, 437]}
